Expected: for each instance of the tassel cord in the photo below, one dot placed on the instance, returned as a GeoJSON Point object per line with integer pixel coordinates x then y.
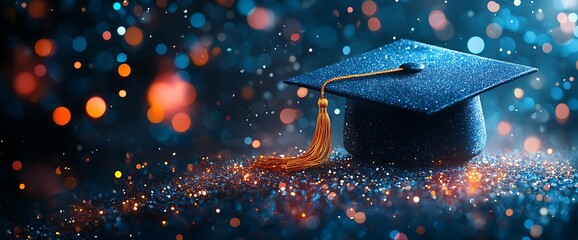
{"type": "Point", "coordinates": [321, 144]}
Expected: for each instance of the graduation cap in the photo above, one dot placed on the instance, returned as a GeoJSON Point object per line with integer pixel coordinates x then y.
{"type": "Point", "coordinates": [408, 103]}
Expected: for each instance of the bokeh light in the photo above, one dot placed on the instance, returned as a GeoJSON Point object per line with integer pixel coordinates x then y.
{"type": "Point", "coordinates": [476, 45]}
{"type": "Point", "coordinates": [256, 143]}
{"type": "Point", "coordinates": [504, 128]}
{"type": "Point", "coordinates": [133, 36]}
{"type": "Point", "coordinates": [373, 24]}
{"type": "Point", "coordinates": [25, 84]}
{"type": "Point", "coordinates": [44, 47]}
{"type": "Point", "coordinates": [518, 93]}
{"type": "Point", "coordinates": [155, 114]}
{"type": "Point", "coordinates": [95, 107]}
{"type": "Point", "coordinates": [171, 93]}
{"type": "Point", "coordinates": [302, 92]}
{"type": "Point", "coordinates": [437, 20]}
{"type": "Point", "coordinates": [37, 8]}
{"type": "Point", "coordinates": [200, 56]}
{"type": "Point", "coordinates": [235, 222]}
{"type": "Point", "coordinates": [493, 6]}
{"type": "Point", "coordinates": [369, 8]}
{"type": "Point", "coordinates": [288, 115]}
{"type": "Point", "coordinates": [17, 165]}
{"type": "Point", "coordinates": [181, 122]}
{"type": "Point", "coordinates": [124, 70]}
{"type": "Point", "coordinates": [61, 116]}
{"type": "Point", "coordinates": [532, 144]}
{"type": "Point", "coordinates": [40, 70]}
{"type": "Point", "coordinates": [260, 18]}
{"type": "Point", "coordinates": [562, 112]}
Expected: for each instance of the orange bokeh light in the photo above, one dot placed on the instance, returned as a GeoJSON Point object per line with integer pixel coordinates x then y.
{"type": "Point", "coordinates": [247, 92]}
{"type": "Point", "coordinates": [40, 70]}
{"type": "Point", "coordinates": [155, 114]}
{"type": "Point", "coordinates": [226, 3]}
{"type": "Point", "coordinates": [25, 83]}
{"type": "Point", "coordinates": [61, 116]}
{"type": "Point", "coordinates": [37, 8]}
{"type": "Point", "coordinates": [181, 122]}
{"type": "Point", "coordinates": [235, 222]}
{"type": "Point", "coordinates": [288, 115]}
{"type": "Point", "coordinates": [77, 65]}
{"type": "Point", "coordinates": [171, 93]}
{"type": "Point", "coordinates": [260, 18]}
{"type": "Point", "coordinates": [17, 165]}
{"type": "Point", "coordinates": [369, 8]}
{"type": "Point", "coordinates": [200, 56]}
{"type": "Point", "coordinates": [256, 144]}
{"type": "Point", "coordinates": [95, 107]}
{"type": "Point", "coordinates": [504, 128]}
{"type": "Point", "coordinates": [302, 92]}
{"type": "Point", "coordinates": [532, 144]}
{"type": "Point", "coordinates": [124, 70]}
{"type": "Point", "coordinates": [44, 47]}
{"type": "Point", "coordinates": [562, 112]}
{"type": "Point", "coordinates": [106, 35]}
{"type": "Point", "coordinates": [373, 24]}
{"type": "Point", "coordinates": [133, 36]}
{"type": "Point", "coordinates": [295, 37]}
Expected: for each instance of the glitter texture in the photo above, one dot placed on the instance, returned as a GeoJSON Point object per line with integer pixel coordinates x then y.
{"type": "Point", "coordinates": [448, 77]}
{"type": "Point", "coordinates": [504, 195]}
{"type": "Point", "coordinates": [381, 133]}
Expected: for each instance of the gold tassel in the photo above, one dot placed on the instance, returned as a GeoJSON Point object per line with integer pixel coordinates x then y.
{"type": "Point", "coordinates": [318, 151]}
{"type": "Point", "coordinates": [320, 148]}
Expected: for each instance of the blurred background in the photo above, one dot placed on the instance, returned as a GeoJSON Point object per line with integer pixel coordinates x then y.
{"type": "Point", "coordinates": [85, 86]}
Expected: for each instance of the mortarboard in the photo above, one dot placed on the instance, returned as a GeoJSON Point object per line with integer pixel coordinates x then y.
{"type": "Point", "coordinates": [407, 102]}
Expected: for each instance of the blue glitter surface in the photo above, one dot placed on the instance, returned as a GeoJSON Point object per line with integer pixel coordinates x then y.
{"type": "Point", "coordinates": [502, 195]}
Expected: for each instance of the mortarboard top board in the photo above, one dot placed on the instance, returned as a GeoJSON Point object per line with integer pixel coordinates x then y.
{"type": "Point", "coordinates": [429, 114]}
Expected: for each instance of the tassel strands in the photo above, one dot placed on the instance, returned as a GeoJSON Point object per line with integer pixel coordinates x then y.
{"type": "Point", "coordinates": [320, 148]}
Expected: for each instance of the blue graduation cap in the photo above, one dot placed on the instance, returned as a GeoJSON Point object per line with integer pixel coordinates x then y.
{"type": "Point", "coordinates": [411, 103]}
